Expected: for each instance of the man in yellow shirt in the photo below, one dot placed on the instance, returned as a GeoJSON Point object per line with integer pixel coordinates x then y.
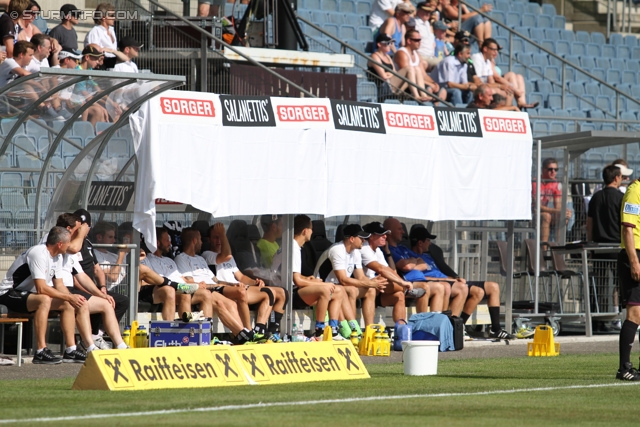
{"type": "Point", "coordinates": [629, 278]}
{"type": "Point", "coordinates": [268, 245]}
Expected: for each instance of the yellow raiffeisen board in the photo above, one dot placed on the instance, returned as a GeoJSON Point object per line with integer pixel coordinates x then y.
{"type": "Point", "coordinates": [217, 366]}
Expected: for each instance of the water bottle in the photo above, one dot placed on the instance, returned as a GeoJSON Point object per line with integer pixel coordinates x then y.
{"type": "Point", "coordinates": [402, 333]}
{"type": "Point", "coordinates": [354, 338]}
{"type": "Point", "coordinates": [126, 335]}
{"type": "Point", "coordinates": [141, 338]}
{"type": "Point", "coordinates": [294, 333]}
{"type": "Point", "coordinates": [300, 334]}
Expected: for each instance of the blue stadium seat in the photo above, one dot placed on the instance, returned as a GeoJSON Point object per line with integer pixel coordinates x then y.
{"type": "Point", "coordinates": [347, 6]}
{"type": "Point", "coordinates": [577, 88]}
{"type": "Point", "coordinates": [550, 45]}
{"type": "Point", "coordinates": [568, 35]}
{"type": "Point", "coordinates": [529, 20]}
{"type": "Point", "coordinates": [83, 129]}
{"type": "Point", "coordinates": [533, 8]}
{"type": "Point", "coordinates": [543, 86]}
{"type": "Point", "coordinates": [616, 39]}
{"type": "Point", "coordinates": [545, 21]}
{"type": "Point", "coordinates": [536, 34]}
{"type": "Point", "coordinates": [573, 59]}
{"type": "Point", "coordinates": [594, 49]}
{"type": "Point", "coordinates": [587, 103]}
{"type": "Point", "coordinates": [629, 77]}
{"type": "Point", "coordinates": [632, 65]}
{"type": "Point", "coordinates": [536, 97]}
{"type": "Point", "coordinates": [556, 127]}
{"type": "Point", "coordinates": [581, 77]}
{"type": "Point", "coordinates": [578, 48]}
{"type": "Point", "coordinates": [311, 4]}
{"type": "Point", "coordinates": [541, 59]}
{"type": "Point", "coordinates": [332, 29]}
{"type": "Point", "coordinates": [529, 86]}
{"type": "Point", "coordinates": [598, 38]}
{"type": "Point", "coordinates": [549, 9]}
{"type": "Point", "coordinates": [618, 63]}
{"type": "Point", "coordinates": [603, 102]}
{"type": "Point", "coordinates": [320, 17]}
{"type": "Point", "coordinates": [348, 32]}
{"type": "Point", "coordinates": [570, 102]}
{"type": "Point", "coordinates": [518, 44]}
{"type": "Point", "coordinates": [365, 33]}
{"type": "Point", "coordinates": [584, 127]}
{"type": "Point", "coordinates": [534, 72]}
{"type": "Point", "coordinates": [631, 40]}
{"type": "Point", "coordinates": [33, 129]}
{"type": "Point", "coordinates": [599, 73]}
{"type": "Point", "coordinates": [338, 18]}
{"type": "Point", "coordinates": [609, 126]}
{"type": "Point", "coordinates": [363, 8]}
{"type": "Point", "coordinates": [635, 91]}
{"type": "Point", "coordinates": [552, 34]}
{"type": "Point", "coordinates": [559, 22]}
{"type": "Point", "coordinates": [518, 69]}
{"type": "Point", "coordinates": [511, 19]}
{"type": "Point", "coordinates": [545, 112]}
{"type": "Point", "coordinates": [623, 51]}
{"type": "Point", "coordinates": [603, 63]}
{"type": "Point", "coordinates": [562, 113]}
{"type": "Point", "coordinates": [592, 88]}
{"type": "Point", "coordinates": [540, 128]}
{"type": "Point", "coordinates": [554, 101]}
{"type": "Point", "coordinates": [503, 5]}
{"type": "Point", "coordinates": [563, 48]}
{"type": "Point", "coordinates": [578, 114]}
{"type": "Point", "coordinates": [570, 126]}
{"type": "Point", "coordinates": [499, 16]}
{"type": "Point", "coordinates": [329, 5]}
{"type": "Point", "coordinates": [525, 58]}
{"type": "Point", "coordinates": [608, 51]}
{"type": "Point", "coordinates": [518, 7]}
{"type": "Point", "coordinates": [504, 43]}
{"type": "Point", "coordinates": [552, 73]}
{"type": "Point", "coordinates": [583, 37]}
{"type": "Point", "coordinates": [587, 62]}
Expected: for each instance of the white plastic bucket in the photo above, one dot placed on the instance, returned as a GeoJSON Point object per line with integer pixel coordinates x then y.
{"type": "Point", "coordinates": [420, 357]}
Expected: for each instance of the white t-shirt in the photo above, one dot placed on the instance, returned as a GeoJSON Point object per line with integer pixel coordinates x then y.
{"type": "Point", "coordinates": [70, 267]}
{"type": "Point", "coordinates": [225, 272]}
{"type": "Point", "coordinates": [369, 256]}
{"type": "Point", "coordinates": [100, 36]}
{"type": "Point", "coordinates": [196, 267]}
{"type": "Point", "coordinates": [163, 266]}
{"type": "Point", "coordinates": [483, 67]}
{"type": "Point", "coordinates": [106, 259]}
{"type": "Point", "coordinates": [296, 266]}
{"type": "Point", "coordinates": [35, 65]}
{"type": "Point", "coordinates": [126, 67]}
{"type": "Point", "coordinates": [6, 76]}
{"type": "Point", "coordinates": [340, 260]}
{"type": "Point", "coordinates": [428, 43]}
{"type": "Point", "coordinates": [35, 263]}
{"type": "Point", "coordinates": [378, 11]}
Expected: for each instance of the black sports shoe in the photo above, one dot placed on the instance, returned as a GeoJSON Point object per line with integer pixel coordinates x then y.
{"type": "Point", "coordinates": [74, 356]}
{"type": "Point", "coordinates": [628, 373]}
{"type": "Point", "coordinates": [46, 357]}
{"type": "Point", "coordinates": [501, 334]}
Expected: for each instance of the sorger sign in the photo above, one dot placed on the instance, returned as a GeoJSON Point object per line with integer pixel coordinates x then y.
{"type": "Point", "coordinates": [302, 113]}
{"type": "Point", "coordinates": [409, 120]}
{"type": "Point", "coordinates": [504, 125]}
{"type": "Point", "coordinates": [187, 107]}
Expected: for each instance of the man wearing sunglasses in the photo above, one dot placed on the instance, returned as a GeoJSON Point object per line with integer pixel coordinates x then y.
{"type": "Point", "coordinates": [550, 198]}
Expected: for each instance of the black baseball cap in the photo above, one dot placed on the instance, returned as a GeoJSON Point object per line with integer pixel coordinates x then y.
{"type": "Point", "coordinates": [419, 234]}
{"type": "Point", "coordinates": [85, 217]}
{"type": "Point", "coordinates": [383, 38]}
{"type": "Point", "coordinates": [67, 9]}
{"type": "Point", "coordinates": [462, 35]}
{"type": "Point", "coordinates": [375, 228]}
{"type": "Point", "coordinates": [354, 230]}
{"type": "Point", "coordinates": [128, 42]}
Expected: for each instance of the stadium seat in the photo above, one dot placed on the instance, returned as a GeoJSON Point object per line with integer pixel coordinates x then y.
{"type": "Point", "coordinates": [525, 58]}
{"type": "Point", "coordinates": [518, 7]}
{"type": "Point", "coordinates": [511, 19]}
{"type": "Point", "coordinates": [603, 63]}
{"type": "Point", "coordinates": [568, 35]}
{"type": "Point", "coordinates": [550, 45]}
{"type": "Point", "coordinates": [587, 62]}
{"type": "Point", "coordinates": [599, 73]}
{"type": "Point", "coordinates": [594, 49]}
{"type": "Point", "coordinates": [367, 92]}
{"type": "Point", "coordinates": [552, 34]}
{"type": "Point", "coordinates": [529, 20]}
{"type": "Point", "coordinates": [623, 51]}
{"type": "Point", "coordinates": [603, 102]}
{"type": "Point", "coordinates": [332, 29]}
{"type": "Point", "coordinates": [570, 126]}
{"type": "Point", "coordinates": [25, 144]}
{"type": "Point", "coordinates": [348, 32]}
{"type": "Point", "coordinates": [554, 101]}
{"type": "Point", "coordinates": [556, 127]}
{"type": "Point", "coordinates": [570, 102]}
{"type": "Point", "coordinates": [598, 38]}
{"type": "Point", "coordinates": [7, 124]}
{"type": "Point", "coordinates": [577, 88]}
{"type": "Point", "coordinates": [518, 44]}
{"type": "Point", "coordinates": [583, 37]}
{"type": "Point", "coordinates": [616, 39]}
{"type": "Point", "coordinates": [536, 97]}
{"type": "Point", "coordinates": [544, 21]}
{"type": "Point", "coordinates": [29, 162]}
{"type": "Point", "coordinates": [631, 40]}
{"type": "Point", "coordinates": [552, 73]}
{"type": "Point", "coordinates": [320, 17]}
{"type": "Point", "coordinates": [540, 128]}
{"type": "Point", "coordinates": [632, 65]}
{"type": "Point", "coordinates": [311, 4]}
{"type": "Point", "coordinates": [534, 72]}
{"type": "Point", "coordinates": [503, 5]}
{"type": "Point", "coordinates": [33, 129]}
{"type": "Point", "coordinates": [363, 8]}
{"type": "Point", "coordinates": [545, 112]}
{"type": "Point", "coordinates": [614, 76]}
{"type": "Point", "coordinates": [578, 48]}
{"type": "Point", "coordinates": [549, 9]}
{"type": "Point", "coordinates": [608, 51]}
{"type": "Point", "coordinates": [536, 34]}
{"type": "Point", "coordinates": [338, 18]}
{"type": "Point", "coordinates": [329, 5]}
{"type": "Point", "coordinates": [364, 33]}
{"type": "Point", "coordinates": [629, 77]}
{"type": "Point", "coordinates": [347, 6]}
{"type": "Point", "coordinates": [10, 182]}
{"type": "Point", "coordinates": [533, 8]}
{"type": "Point", "coordinates": [584, 126]}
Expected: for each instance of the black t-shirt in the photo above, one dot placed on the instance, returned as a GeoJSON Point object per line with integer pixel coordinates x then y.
{"type": "Point", "coordinates": [88, 259]}
{"type": "Point", "coordinates": [68, 39]}
{"type": "Point", "coordinates": [604, 210]}
{"type": "Point", "coordinates": [7, 28]}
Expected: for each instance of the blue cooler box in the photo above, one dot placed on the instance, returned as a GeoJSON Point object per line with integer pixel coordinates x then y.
{"type": "Point", "coordinates": [167, 333]}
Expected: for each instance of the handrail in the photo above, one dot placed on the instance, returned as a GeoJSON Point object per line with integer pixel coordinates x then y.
{"type": "Point", "coordinates": [561, 59]}
{"type": "Point", "coordinates": [364, 55]}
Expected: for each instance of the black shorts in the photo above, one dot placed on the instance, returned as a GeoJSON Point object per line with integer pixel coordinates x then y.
{"type": "Point", "coordinates": [16, 301]}
{"type": "Point", "coordinates": [629, 288]}
{"type": "Point", "coordinates": [297, 302]}
{"type": "Point", "coordinates": [77, 291]}
{"type": "Point", "coordinates": [146, 294]}
{"type": "Point", "coordinates": [219, 289]}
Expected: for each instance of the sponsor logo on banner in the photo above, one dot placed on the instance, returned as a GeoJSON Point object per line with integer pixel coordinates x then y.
{"type": "Point", "coordinates": [187, 107]}
{"type": "Point", "coordinates": [358, 116]}
{"type": "Point", "coordinates": [302, 113]}
{"type": "Point", "coordinates": [458, 122]}
{"type": "Point", "coordinates": [247, 111]}
{"type": "Point", "coordinates": [504, 125]}
{"type": "Point", "coordinates": [109, 195]}
{"type": "Point", "coordinates": [405, 120]}
{"type": "Point", "coordinates": [215, 366]}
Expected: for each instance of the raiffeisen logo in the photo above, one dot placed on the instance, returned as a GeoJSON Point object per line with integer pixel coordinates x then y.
{"type": "Point", "coordinates": [187, 107]}
{"type": "Point", "coordinates": [302, 113]}
{"type": "Point", "coordinates": [504, 125]}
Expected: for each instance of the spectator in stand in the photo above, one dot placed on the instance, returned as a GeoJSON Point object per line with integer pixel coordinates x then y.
{"type": "Point", "coordinates": [64, 32]}
{"type": "Point", "coordinates": [131, 48]}
{"type": "Point", "coordinates": [451, 74]}
{"type": "Point", "coordinates": [38, 20]}
{"type": "Point", "coordinates": [407, 58]}
{"type": "Point", "coordinates": [12, 23]}
{"type": "Point", "coordinates": [389, 84]}
{"type": "Point", "coordinates": [483, 98]}
{"type": "Point", "coordinates": [30, 29]}
{"type": "Point", "coordinates": [45, 47]}
{"type": "Point", "coordinates": [550, 198]}
{"type": "Point", "coordinates": [395, 27]}
{"type": "Point", "coordinates": [473, 22]}
{"type": "Point", "coordinates": [14, 67]}
{"type": "Point", "coordinates": [381, 10]}
{"type": "Point", "coordinates": [103, 33]}
{"type": "Point", "coordinates": [442, 46]}
{"type": "Point", "coordinates": [427, 49]}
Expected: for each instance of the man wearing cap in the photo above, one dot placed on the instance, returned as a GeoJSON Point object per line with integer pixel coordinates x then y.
{"type": "Point", "coordinates": [442, 46]}
{"type": "Point", "coordinates": [444, 294]}
{"type": "Point", "coordinates": [428, 44]}
{"type": "Point", "coordinates": [131, 48]}
{"type": "Point", "coordinates": [69, 58]}
{"type": "Point", "coordinates": [342, 264]}
{"type": "Point", "coordinates": [433, 256]}
{"type": "Point", "coordinates": [380, 11]}
{"type": "Point", "coordinates": [626, 173]}
{"type": "Point", "coordinates": [374, 261]}
{"type": "Point", "coordinates": [451, 74]}
{"type": "Point", "coordinates": [64, 32]}
{"type": "Point", "coordinates": [395, 26]}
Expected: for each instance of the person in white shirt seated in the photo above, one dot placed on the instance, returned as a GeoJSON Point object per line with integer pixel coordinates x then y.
{"type": "Point", "coordinates": [103, 33]}
{"type": "Point", "coordinates": [45, 47]}
{"type": "Point", "coordinates": [131, 48]}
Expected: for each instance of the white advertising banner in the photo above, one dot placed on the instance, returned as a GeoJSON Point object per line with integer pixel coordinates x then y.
{"type": "Point", "coordinates": [236, 155]}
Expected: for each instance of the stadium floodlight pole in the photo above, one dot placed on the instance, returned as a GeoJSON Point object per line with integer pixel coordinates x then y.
{"type": "Point", "coordinates": [234, 50]}
{"type": "Point", "coordinates": [380, 64]}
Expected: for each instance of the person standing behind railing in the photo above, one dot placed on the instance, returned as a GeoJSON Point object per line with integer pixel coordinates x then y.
{"type": "Point", "coordinates": [64, 32]}
{"type": "Point", "coordinates": [550, 198]}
